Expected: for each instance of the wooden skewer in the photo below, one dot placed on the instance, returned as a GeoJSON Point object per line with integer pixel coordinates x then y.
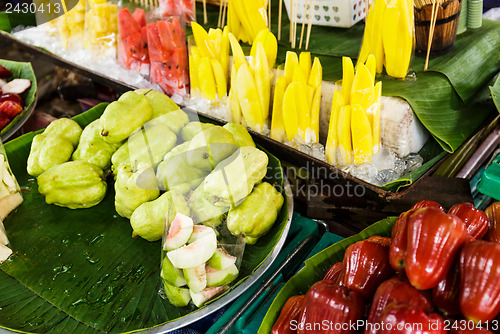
{"type": "Point", "coordinates": [431, 33]}
{"type": "Point", "coordinates": [205, 18]}
{"type": "Point", "coordinates": [294, 41]}
{"type": "Point", "coordinates": [291, 20]}
{"type": "Point", "coordinates": [303, 25]}
{"type": "Point", "coordinates": [269, 14]}
{"type": "Point", "coordinates": [221, 4]}
{"type": "Point", "coordinates": [309, 25]}
{"type": "Point", "coordinates": [280, 10]}
{"type": "Point", "coordinates": [224, 11]}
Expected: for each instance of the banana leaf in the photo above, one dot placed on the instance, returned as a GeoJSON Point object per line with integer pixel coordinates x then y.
{"type": "Point", "coordinates": [24, 71]}
{"type": "Point", "coordinates": [316, 267]}
{"type": "Point", "coordinates": [495, 93]}
{"type": "Point", "coordinates": [81, 271]}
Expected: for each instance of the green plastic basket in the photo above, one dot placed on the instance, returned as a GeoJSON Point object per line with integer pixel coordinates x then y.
{"type": "Point", "coordinates": [490, 181]}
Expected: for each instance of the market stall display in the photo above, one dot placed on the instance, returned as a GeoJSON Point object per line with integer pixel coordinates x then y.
{"type": "Point", "coordinates": [152, 202]}
{"type": "Point", "coordinates": [358, 271]}
{"type": "Point", "coordinates": [109, 234]}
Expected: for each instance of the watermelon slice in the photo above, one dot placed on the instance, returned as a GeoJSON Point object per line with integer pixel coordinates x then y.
{"type": "Point", "coordinates": [127, 25]}
{"type": "Point", "coordinates": [140, 16]}
{"type": "Point", "coordinates": [168, 56]}
{"type": "Point", "coordinates": [179, 8]}
{"type": "Point", "coordinates": [132, 42]}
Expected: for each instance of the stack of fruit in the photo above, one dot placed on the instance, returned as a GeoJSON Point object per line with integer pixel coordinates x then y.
{"type": "Point", "coordinates": [209, 62]}
{"type": "Point", "coordinates": [354, 129]}
{"type": "Point", "coordinates": [71, 25]}
{"type": "Point", "coordinates": [11, 102]}
{"type": "Point", "coordinates": [246, 19]}
{"type": "Point", "coordinates": [168, 56]}
{"type": "Point", "coordinates": [251, 81]}
{"type": "Point", "coordinates": [184, 9]}
{"type": "Point", "coordinates": [389, 36]}
{"type": "Point", "coordinates": [297, 99]}
{"type": "Point", "coordinates": [435, 272]}
{"type": "Point", "coordinates": [213, 181]}
{"type": "Point", "coordinates": [101, 27]}
{"type": "Point", "coordinates": [10, 198]}
{"type": "Point", "coordinates": [133, 41]}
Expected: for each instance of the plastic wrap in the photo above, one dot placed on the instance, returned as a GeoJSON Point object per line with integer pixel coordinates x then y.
{"type": "Point", "coordinates": [168, 56]}
{"type": "Point", "coordinates": [132, 52]}
{"type": "Point", "coordinates": [184, 9]}
{"type": "Point", "coordinates": [101, 28]}
{"type": "Point", "coordinates": [209, 62]}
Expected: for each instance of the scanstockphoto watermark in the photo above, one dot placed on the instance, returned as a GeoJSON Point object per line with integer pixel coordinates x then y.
{"type": "Point", "coordinates": [326, 182]}
{"type": "Point", "coordinates": [326, 325]}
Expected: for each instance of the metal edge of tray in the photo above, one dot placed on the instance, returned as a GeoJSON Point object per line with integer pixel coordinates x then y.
{"type": "Point", "coordinates": [238, 290]}
{"type": "Point", "coordinates": [280, 150]}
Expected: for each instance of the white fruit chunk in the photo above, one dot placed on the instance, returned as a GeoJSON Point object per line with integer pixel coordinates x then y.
{"type": "Point", "coordinates": [179, 232]}
{"type": "Point", "coordinates": [16, 86]}
{"type": "Point", "coordinates": [5, 252]}
{"type": "Point", "coordinates": [196, 278]}
{"type": "Point", "coordinates": [3, 235]}
{"type": "Point", "coordinates": [194, 254]}
{"type": "Point", "coordinates": [206, 294]}
{"type": "Point", "coordinates": [9, 203]}
{"type": "Point", "coordinates": [199, 231]}
{"type": "Point", "coordinates": [221, 260]}
{"type": "Point", "coordinates": [221, 277]}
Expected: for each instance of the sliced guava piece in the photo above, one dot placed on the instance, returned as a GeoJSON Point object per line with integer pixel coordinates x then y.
{"type": "Point", "coordinates": [221, 259]}
{"type": "Point", "coordinates": [5, 252]}
{"type": "Point", "coordinates": [171, 274]}
{"type": "Point", "coordinates": [194, 254]}
{"type": "Point", "coordinates": [3, 235]}
{"type": "Point", "coordinates": [199, 231]}
{"type": "Point", "coordinates": [179, 232]}
{"type": "Point", "coordinates": [179, 297]}
{"type": "Point", "coordinates": [9, 203]}
{"type": "Point", "coordinates": [221, 277]}
{"type": "Point", "coordinates": [196, 278]}
{"type": "Point", "coordinates": [206, 294]}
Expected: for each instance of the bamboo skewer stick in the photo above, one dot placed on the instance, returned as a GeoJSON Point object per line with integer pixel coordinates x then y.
{"type": "Point", "coordinates": [309, 25]}
{"type": "Point", "coordinates": [303, 25]}
{"type": "Point", "coordinates": [221, 4]}
{"type": "Point", "coordinates": [431, 33]}
{"type": "Point", "coordinates": [224, 11]}
{"type": "Point", "coordinates": [291, 20]}
{"type": "Point", "coordinates": [205, 18]}
{"type": "Point", "coordinates": [294, 41]}
{"type": "Point", "coordinates": [280, 10]}
{"type": "Point", "coordinates": [269, 14]}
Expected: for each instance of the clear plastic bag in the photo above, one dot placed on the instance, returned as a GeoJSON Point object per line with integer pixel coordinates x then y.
{"type": "Point", "coordinates": [184, 9]}
{"type": "Point", "coordinates": [168, 56]}
{"type": "Point", "coordinates": [132, 52]}
{"type": "Point", "coordinates": [101, 28]}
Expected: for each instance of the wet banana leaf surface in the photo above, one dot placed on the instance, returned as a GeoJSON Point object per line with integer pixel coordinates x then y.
{"type": "Point", "coordinates": [315, 268]}
{"type": "Point", "coordinates": [81, 271]}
